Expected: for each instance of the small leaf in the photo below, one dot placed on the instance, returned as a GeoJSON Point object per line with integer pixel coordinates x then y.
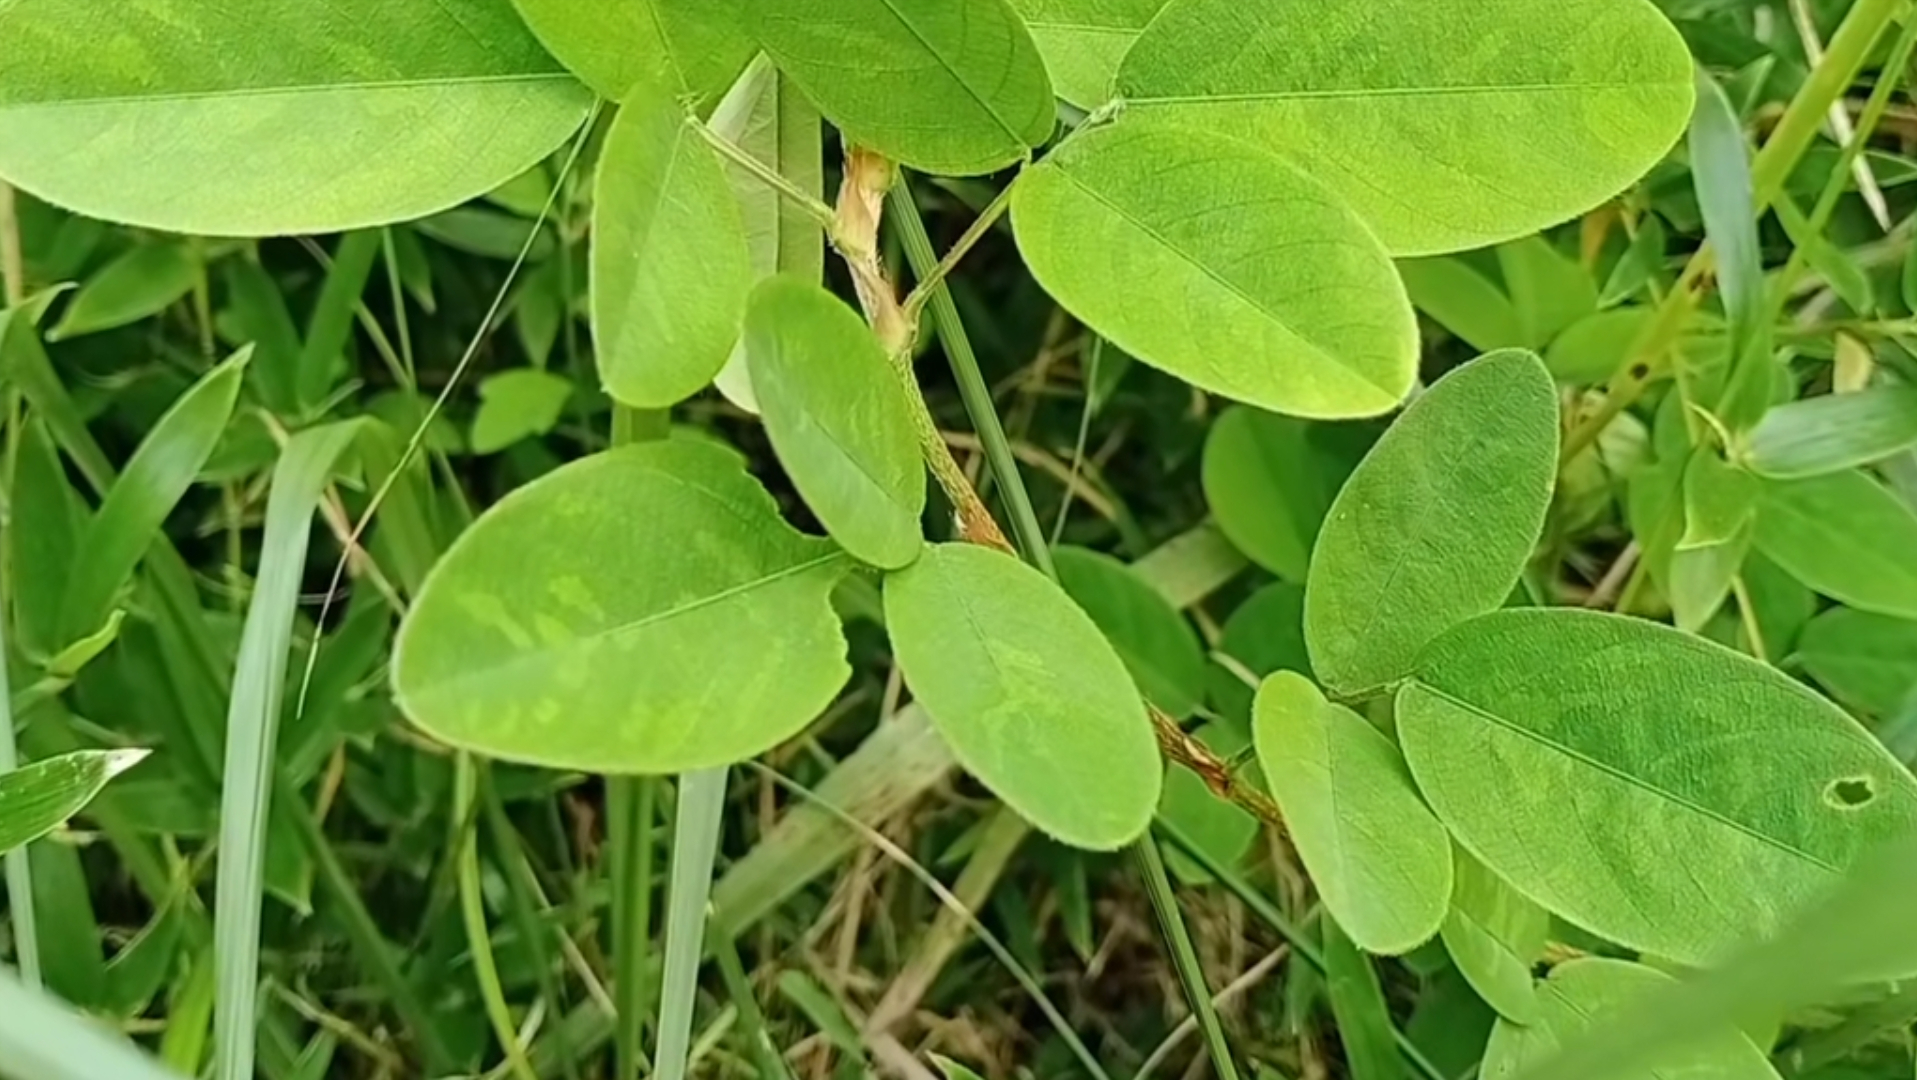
{"type": "Point", "coordinates": [1560, 731]}
{"type": "Point", "coordinates": [1494, 935]}
{"type": "Point", "coordinates": [1548, 290]}
{"type": "Point", "coordinates": [71, 660]}
{"type": "Point", "coordinates": [950, 87]}
{"type": "Point", "coordinates": [1639, 265]}
{"type": "Point", "coordinates": [39, 798]}
{"type": "Point", "coordinates": [1868, 662]}
{"type": "Point", "coordinates": [581, 622]}
{"type": "Point", "coordinates": [518, 404]}
{"type": "Point", "coordinates": [1158, 646]}
{"type": "Point", "coordinates": [1721, 173]}
{"type": "Point", "coordinates": [41, 556]}
{"type": "Point", "coordinates": [1462, 300]}
{"type": "Point", "coordinates": [1032, 699]}
{"type": "Point", "coordinates": [838, 418]}
{"type": "Point", "coordinates": [612, 46]}
{"type": "Point", "coordinates": [1270, 485]}
{"type": "Point", "coordinates": [1379, 859]}
{"type": "Point", "coordinates": [1593, 349]}
{"type": "Point", "coordinates": [1582, 995]}
{"type": "Point", "coordinates": [1447, 124]}
{"type": "Point", "coordinates": [670, 269]}
{"type": "Point", "coordinates": [1083, 42]}
{"type": "Point", "coordinates": [1436, 524]}
{"type": "Point", "coordinates": [1358, 1004]}
{"type": "Point", "coordinates": [1265, 634]}
{"type": "Point", "coordinates": [1129, 227]}
{"type": "Point", "coordinates": [1834, 432]}
{"type": "Point", "coordinates": [279, 118]}
{"type": "Point", "coordinates": [1846, 536]}
{"type": "Point", "coordinates": [138, 285]}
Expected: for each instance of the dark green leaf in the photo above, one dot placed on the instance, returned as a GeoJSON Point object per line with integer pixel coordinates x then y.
{"type": "Point", "coordinates": [1159, 647]}
{"type": "Point", "coordinates": [138, 285]}
{"type": "Point", "coordinates": [1845, 535]}
{"type": "Point", "coordinates": [1270, 485]}
{"type": "Point", "coordinates": [1868, 662]}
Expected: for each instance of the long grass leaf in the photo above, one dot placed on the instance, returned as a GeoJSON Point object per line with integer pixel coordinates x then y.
{"type": "Point", "coordinates": [41, 1039]}
{"type": "Point", "coordinates": [695, 844]}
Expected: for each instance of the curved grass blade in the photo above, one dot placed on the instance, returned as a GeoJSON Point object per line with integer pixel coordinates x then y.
{"type": "Point", "coordinates": [40, 1039]}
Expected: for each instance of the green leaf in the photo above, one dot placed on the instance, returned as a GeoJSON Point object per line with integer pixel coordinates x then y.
{"type": "Point", "coordinates": [1612, 743]}
{"type": "Point", "coordinates": [1265, 634]}
{"type": "Point", "coordinates": [1083, 42]}
{"type": "Point", "coordinates": [1846, 536]}
{"type": "Point", "coordinates": [1592, 349]}
{"type": "Point", "coordinates": [580, 622]}
{"type": "Point", "coordinates": [1581, 995]}
{"type": "Point", "coordinates": [259, 311]}
{"type": "Point", "coordinates": [1720, 502]}
{"type": "Point", "coordinates": [951, 87]}
{"type": "Point", "coordinates": [1223, 830]}
{"type": "Point", "coordinates": [1548, 290]}
{"type": "Point", "coordinates": [1436, 524]}
{"type": "Point", "coordinates": [1447, 125]}
{"type": "Point", "coordinates": [1379, 859]}
{"type": "Point", "coordinates": [1721, 173]}
{"type": "Point", "coordinates": [1866, 661]}
{"type": "Point", "coordinates": [1184, 249]}
{"type": "Point", "coordinates": [1460, 299]}
{"type": "Point", "coordinates": [1270, 485]}
{"type": "Point", "coordinates": [612, 46]}
{"type": "Point", "coordinates": [41, 556]}
{"type": "Point", "coordinates": [838, 418]}
{"type": "Point", "coordinates": [279, 117]}
{"type": "Point", "coordinates": [1159, 647]}
{"type": "Point", "coordinates": [154, 481]}
{"type": "Point", "coordinates": [138, 285]}
{"type": "Point", "coordinates": [1031, 697]}
{"type": "Point", "coordinates": [1638, 266]}
{"type": "Point", "coordinates": [1494, 935]}
{"type": "Point", "coordinates": [43, 1038]}
{"type": "Point", "coordinates": [1834, 432]}
{"type": "Point", "coordinates": [39, 798]}
{"type": "Point", "coordinates": [518, 404]}
{"type": "Point", "coordinates": [670, 269]}
{"type": "Point", "coordinates": [1358, 1004]}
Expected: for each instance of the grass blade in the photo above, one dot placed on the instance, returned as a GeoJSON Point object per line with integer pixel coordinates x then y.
{"type": "Point", "coordinates": [1191, 974]}
{"type": "Point", "coordinates": [38, 798]}
{"type": "Point", "coordinates": [1358, 1004]}
{"type": "Point", "coordinates": [252, 729]}
{"type": "Point", "coordinates": [695, 844]}
{"type": "Point", "coordinates": [19, 871]}
{"type": "Point", "coordinates": [472, 910]}
{"type": "Point", "coordinates": [41, 1039]}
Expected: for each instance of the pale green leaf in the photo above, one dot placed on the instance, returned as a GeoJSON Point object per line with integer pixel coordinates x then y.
{"type": "Point", "coordinates": [39, 798]}
{"type": "Point", "coordinates": [1638, 266]}
{"type": "Point", "coordinates": [1582, 995]}
{"type": "Point", "coordinates": [1573, 752]}
{"type": "Point", "coordinates": [1379, 859]}
{"type": "Point", "coordinates": [137, 285]}
{"type": "Point", "coordinates": [838, 417]}
{"type": "Point", "coordinates": [268, 117]}
{"type": "Point", "coordinates": [580, 622]}
{"type": "Point", "coordinates": [1158, 645]}
{"type": "Point", "coordinates": [1494, 935]}
{"type": "Point", "coordinates": [1447, 124]}
{"type": "Point", "coordinates": [1083, 41]}
{"type": "Point", "coordinates": [670, 269]}
{"type": "Point", "coordinates": [1462, 300]}
{"type": "Point", "coordinates": [1868, 662]}
{"type": "Point", "coordinates": [1846, 536]}
{"type": "Point", "coordinates": [611, 46]}
{"type": "Point", "coordinates": [1436, 524]}
{"type": "Point", "coordinates": [953, 87]}
{"type": "Point", "coordinates": [1269, 484]}
{"type": "Point", "coordinates": [1210, 259]}
{"type": "Point", "coordinates": [1834, 432]}
{"type": "Point", "coordinates": [1031, 697]}
{"type": "Point", "coordinates": [518, 404]}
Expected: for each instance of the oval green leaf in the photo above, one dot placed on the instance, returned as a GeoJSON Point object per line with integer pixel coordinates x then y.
{"type": "Point", "coordinates": [1583, 994]}
{"type": "Point", "coordinates": [1210, 259]}
{"type": "Point", "coordinates": [38, 798]}
{"type": "Point", "coordinates": [580, 622]}
{"type": "Point", "coordinates": [1437, 522]}
{"type": "Point", "coordinates": [1447, 124]}
{"type": "Point", "coordinates": [1575, 752]}
{"type": "Point", "coordinates": [1158, 646]}
{"type": "Point", "coordinates": [838, 418]}
{"type": "Point", "coordinates": [670, 266]}
{"type": "Point", "coordinates": [1380, 860]}
{"type": "Point", "coordinates": [1846, 536]}
{"type": "Point", "coordinates": [1834, 432]}
{"type": "Point", "coordinates": [1265, 634]}
{"type": "Point", "coordinates": [1031, 697]}
{"type": "Point", "coordinates": [1270, 485]}
{"type": "Point", "coordinates": [1494, 935]}
{"type": "Point", "coordinates": [952, 87]}
{"type": "Point", "coordinates": [612, 46]}
{"type": "Point", "coordinates": [1866, 661]}
{"type": "Point", "coordinates": [278, 117]}
{"type": "Point", "coordinates": [1083, 42]}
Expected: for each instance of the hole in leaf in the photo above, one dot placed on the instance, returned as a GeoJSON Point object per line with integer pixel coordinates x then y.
{"type": "Point", "coordinates": [1850, 792]}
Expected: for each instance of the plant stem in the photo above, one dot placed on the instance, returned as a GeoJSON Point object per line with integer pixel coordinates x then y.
{"type": "Point", "coordinates": [1792, 136]}
{"type": "Point", "coordinates": [12, 261]}
{"type": "Point", "coordinates": [930, 280]}
{"type": "Point", "coordinates": [472, 909]}
{"type": "Point", "coordinates": [769, 176]}
{"type": "Point", "coordinates": [1191, 974]}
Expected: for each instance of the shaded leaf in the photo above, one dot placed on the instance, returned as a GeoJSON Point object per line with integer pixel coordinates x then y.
{"type": "Point", "coordinates": [1866, 661]}
{"type": "Point", "coordinates": [138, 285]}
{"type": "Point", "coordinates": [1494, 935]}
{"type": "Point", "coordinates": [1270, 485]}
{"type": "Point", "coordinates": [1460, 299]}
{"type": "Point", "coordinates": [1158, 646]}
{"type": "Point", "coordinates": [1265, 634]}
{"type": "Point", "coordinates": [1083, 41]}
{"type": "Point", "coordinates": [1358, 1004]}
{"type": "Point", "coordinates": [1221, 829]}
{"type": "Point", "coordinates": [1845, 535]}
{"type": "Point", "coordinates": [518, 404]}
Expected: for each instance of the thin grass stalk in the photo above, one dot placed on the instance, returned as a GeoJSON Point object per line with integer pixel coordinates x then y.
{"type": "Point", "coordinates": [698, 818]}
{"type": "Point", "coordinates": [472, 910]}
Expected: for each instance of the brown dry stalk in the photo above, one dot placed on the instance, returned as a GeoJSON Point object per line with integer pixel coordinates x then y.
{"type": "Point", "coordinates": [861, 206]}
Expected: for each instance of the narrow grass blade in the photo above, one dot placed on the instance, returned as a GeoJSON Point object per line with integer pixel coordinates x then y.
{"type": "Point", "coordinates": [19, 870]}
{"type": "Point", "coordinates": [252, 729]}
{"type": "Point", "coordinates": [332, 321]}
{"type": "Point", "coordinates": [695, 844]}
{"type": "Point", "coordinates": [41, 1039]}
{"type": "Point", "coordinates": [472, 910]}
{"type": "Point", "coordinates": [38, 798]}
{"type": "Point", "coordinates": [1191, 974]}
{"type": "Point", "coordinates": [1358, 1004]}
